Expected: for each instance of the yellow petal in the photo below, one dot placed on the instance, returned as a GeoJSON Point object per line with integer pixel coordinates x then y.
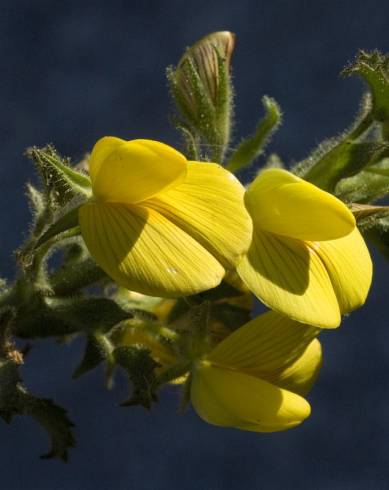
{"type": "Point", "coordinates": [349, 266]}
{"type": "Point", "coordinates": [144, 252]}
{"type": "Point", "coordinates": [209, 207]}
{"type": "Point", "coordinates": [132, 171]}
{"type": "Point", "coordinates": [281, 203]}
{"type": "Point", "coordinates": [231, 399]}
{"type": "Point", "coordinates": [290, 278]}
{"type": "Point", "coordinates": [264, 346]}
{"type": "Point", "coordinates": [300, 376]}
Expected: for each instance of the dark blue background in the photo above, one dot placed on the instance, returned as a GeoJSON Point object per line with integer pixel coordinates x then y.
{"type": "Point", "coordinates": [74, 71]}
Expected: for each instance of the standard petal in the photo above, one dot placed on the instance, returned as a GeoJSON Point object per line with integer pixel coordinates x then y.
{"type": "Point", "coordinates": [349, 266]}
{"type": "Point", "coordinates": [300, 376]}
{"type": "Point", "coordinates": [231, 399]}
{"type": "Point", "coordinates": [132, 171]}
{"type": "Point", "coordinates": [290, 278]}
{"type": "Point", "coordinates": [142, 251]}
{"type": "Point", "coordinates": [281, 203]}
{"type": "Point", "coordinates": [265, 346]}
{"type": "Point", "coordinates": [209, 207]}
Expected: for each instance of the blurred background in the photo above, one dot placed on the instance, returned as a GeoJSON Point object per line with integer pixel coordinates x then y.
{"type": "Point", "coordinates": [75, 71]}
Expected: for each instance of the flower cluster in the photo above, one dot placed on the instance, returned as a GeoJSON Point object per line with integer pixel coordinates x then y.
{"type": "Point", "coordinates": [160, 225]}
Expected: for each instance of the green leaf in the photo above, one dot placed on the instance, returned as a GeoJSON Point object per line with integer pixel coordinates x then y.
{"type": "Point", "coordinates": [9, 382]}
{"type": "Point", "coordinates": [61, 182]}
{"type": "Point", "coordinates": [67, 222]}
{"type": "Point", "coordinates": [69, 280]}
{"type": "Point", "coordinates": [345, 156]}
{"type": "Point", "coordinates": [140, 367]}
{"type": "Point", "coordinates": [345, 160]}
{"type": "Point", "coordinates": [55, 421]}
{"type": "Point", "coordinates": [16, 400]}
{"type": "Point", "coordinates": [367, 186]}
{"type": "Point", "coordinates": [377, 232]}
{"type": "Point", "coordinates": [252, 147]}
{"type": "Point", "coordinates": [373, 67]}
{"type": "Point", "coordinates": [48, 317]}
{"type": "Point", "coordinates": [7, 319]}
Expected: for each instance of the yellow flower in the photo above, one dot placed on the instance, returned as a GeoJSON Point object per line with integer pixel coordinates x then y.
{"type": "Point", "coordinates": [256, 378]}
{"type": "Point", "coordinates": [158, 224]}
{"type": "Point", "coordinates": [307, 259]}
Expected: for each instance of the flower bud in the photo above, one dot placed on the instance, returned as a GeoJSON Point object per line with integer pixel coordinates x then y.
{"type": "Point", "coordinates": [204, 58]}
{"type": "Point", "coordinates": [201, 88]}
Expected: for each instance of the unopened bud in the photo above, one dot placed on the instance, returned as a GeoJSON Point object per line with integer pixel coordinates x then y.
{"type": "Point", "coordinates": [204, 57]}
{"type": "Point", "coordinates": [201, 87]}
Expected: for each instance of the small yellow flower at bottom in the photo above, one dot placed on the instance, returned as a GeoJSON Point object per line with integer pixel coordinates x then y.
{"type": "Point", "coordinates": [256, 378]}
{"type": "Point", "coordinates": [158, 224]}
{"type": "Point", "coordinates": [307, 259]}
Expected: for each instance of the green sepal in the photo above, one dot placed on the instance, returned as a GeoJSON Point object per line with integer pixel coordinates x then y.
{"type": "Point", "coordinates": [273, 161]}
{"type": "Point", "coordinates": [191, 141]}
{"type": "Point", "coordinates": [363, 212]}
{"type": "Point", "coordinates": [67, 222]}
{"type": "Point", "coordinates": [222, 291]}
{"type": "Point", "coordinates": [97, 350]}
{"type": "Point", "coordinates": [61, 182]}
{"type": "Point", "coordinates": [252, 147]}
{"type": "Point", "coordinates": [373, 67]}
{"type": "Point", "coordinates": [140, 367]}
{"type": "Point", "coordinates": [231, 316]}
{"type": "Point", "coordinates": [38, 205]}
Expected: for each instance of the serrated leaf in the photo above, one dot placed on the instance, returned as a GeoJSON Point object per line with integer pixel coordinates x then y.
{"type": "Point", "coordinates": [140, 367]}
{"type": "Point", "coordinates": [373, 67]}
{"type": "Point", "coordinates": [16, 400]}
{"type": "Point", "coordinates": [55, 421]}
